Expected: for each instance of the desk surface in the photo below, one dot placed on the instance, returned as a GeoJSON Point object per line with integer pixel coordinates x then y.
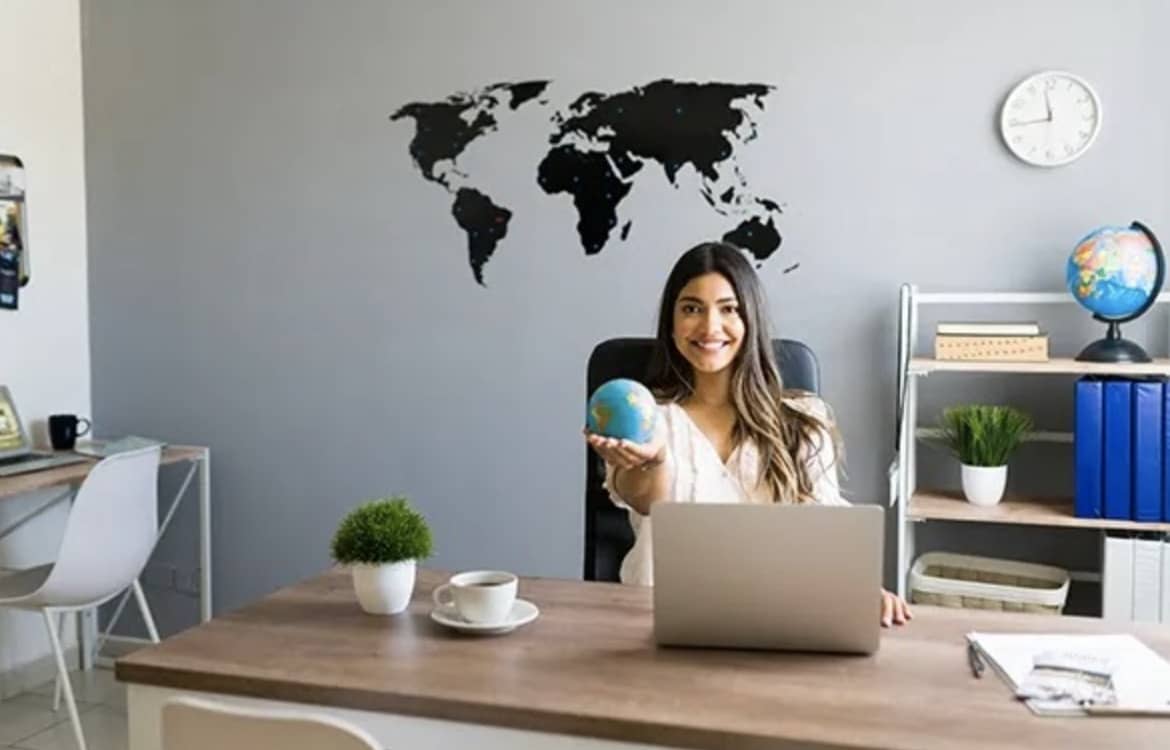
{"type": "Point", "coordinates": [588, 666]}
{"type": "Point", "coordinates": [73, 473]}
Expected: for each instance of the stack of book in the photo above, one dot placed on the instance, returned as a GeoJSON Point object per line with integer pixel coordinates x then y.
{"type": "Point", "coordinates": [991, 342]}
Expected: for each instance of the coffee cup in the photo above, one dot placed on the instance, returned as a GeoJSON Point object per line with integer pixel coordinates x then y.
{"type": "Point", "coordinates": [484, 597]}
{"type": "Point", "coordinates": [64, 429]}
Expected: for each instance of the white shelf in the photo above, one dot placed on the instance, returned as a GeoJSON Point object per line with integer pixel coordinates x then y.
{"type": "Point", "coordinates": [1056, 366]}
{"type": "Point", "coordinates": [914, 505]}
{"type": "Point", "coordinates": [1037, 436]}
{"type": "Point", "coordinates": [1015, 509]}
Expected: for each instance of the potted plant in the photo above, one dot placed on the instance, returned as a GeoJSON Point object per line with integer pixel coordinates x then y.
{"type": "Point", "coordinates": [381, 541]}
{"type": "Point", "coordinates": [983, 438]}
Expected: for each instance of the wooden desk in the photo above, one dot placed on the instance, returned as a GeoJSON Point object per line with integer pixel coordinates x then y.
{"type": "Point", "coordinates": [73, 474]}
{"type": "Point", "coordinates": [587, 668]}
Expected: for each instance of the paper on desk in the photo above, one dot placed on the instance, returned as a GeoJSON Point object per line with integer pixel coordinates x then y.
{"type": "Point", "coordinates": [1141, 679]}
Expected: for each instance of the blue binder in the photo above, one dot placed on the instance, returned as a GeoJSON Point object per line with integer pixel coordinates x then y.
{"type": "Point", "coordinates": [1118, 470]}
{"type": "Point", "coordinates": [1166, 453]}
{"type": "Point", "coordinates": [1147, 451]}
{"type": "Point", "coordinates": [1088, 444]}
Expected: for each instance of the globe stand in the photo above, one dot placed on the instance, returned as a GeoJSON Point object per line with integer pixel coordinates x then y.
{"type": "Point", "coordinates": [1113, 348]}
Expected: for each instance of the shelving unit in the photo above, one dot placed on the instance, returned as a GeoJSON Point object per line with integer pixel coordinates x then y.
{"type": "Point", "coordinates": [915, 506]}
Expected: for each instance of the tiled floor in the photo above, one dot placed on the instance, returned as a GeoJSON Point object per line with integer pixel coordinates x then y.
{"type": "Point", "coordinates": [27, 720]}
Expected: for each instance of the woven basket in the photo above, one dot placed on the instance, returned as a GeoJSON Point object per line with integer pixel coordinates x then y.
{"type": "Point", "coordinates": [970, 582]}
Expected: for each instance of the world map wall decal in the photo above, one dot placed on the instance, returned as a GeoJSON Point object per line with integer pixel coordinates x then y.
{"type": "Point", "coordinates": [599, 144]}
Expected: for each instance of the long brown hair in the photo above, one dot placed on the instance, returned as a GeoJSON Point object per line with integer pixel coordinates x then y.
{"type": "Point", "coordinates": [786, 437]}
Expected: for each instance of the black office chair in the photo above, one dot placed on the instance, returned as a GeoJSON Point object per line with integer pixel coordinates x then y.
{"type": "Point", "coordinates": [608, 536]}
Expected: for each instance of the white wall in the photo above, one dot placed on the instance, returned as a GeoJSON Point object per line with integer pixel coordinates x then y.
{"type": "Point", "coordinates": [44, 346]}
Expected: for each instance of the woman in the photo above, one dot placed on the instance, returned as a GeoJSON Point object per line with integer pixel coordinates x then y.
{"type": "Point", "coordinates": [728, 432]}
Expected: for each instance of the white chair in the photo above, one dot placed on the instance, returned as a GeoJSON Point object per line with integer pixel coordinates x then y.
{"type": "Point", "coordinates": [109, 536]}
{"type": "Point", "coordinates": [199, 724]}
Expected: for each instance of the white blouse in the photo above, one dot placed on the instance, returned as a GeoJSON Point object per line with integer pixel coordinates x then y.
{"type": "Point", "coordinates": [699, 475]}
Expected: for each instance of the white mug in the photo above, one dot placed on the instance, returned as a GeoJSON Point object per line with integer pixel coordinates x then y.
{"type": "Point", "coordinates": [484, 597]}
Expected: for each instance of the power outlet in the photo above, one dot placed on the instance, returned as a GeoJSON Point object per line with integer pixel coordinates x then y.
{"type": "Point", "coordinates": [187, 582]}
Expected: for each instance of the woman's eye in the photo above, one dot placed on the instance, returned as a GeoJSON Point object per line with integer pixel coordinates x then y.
{"type": "Point", "coordinates": [731, 310]}
{"type": "Point", "coordinates": [690, 309]}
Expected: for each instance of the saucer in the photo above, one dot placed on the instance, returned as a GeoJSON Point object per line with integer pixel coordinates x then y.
{"type": "Point", "coordinates": [523, 612]}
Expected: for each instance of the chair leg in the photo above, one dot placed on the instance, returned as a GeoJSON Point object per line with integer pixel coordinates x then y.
{"type": "Point", "coordinates": [142, 607]}
{"type": "Point", "coordinates": [57, 678]}
{"type": "Point", "coordinates": [63, 673]}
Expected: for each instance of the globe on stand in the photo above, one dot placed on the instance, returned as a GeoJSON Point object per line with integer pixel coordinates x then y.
{"type": "Point", "coordinates": [1116, 273]}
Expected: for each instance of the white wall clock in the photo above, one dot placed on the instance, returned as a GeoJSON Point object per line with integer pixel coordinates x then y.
{"type": "Point", "coordinates": [1050, 118]}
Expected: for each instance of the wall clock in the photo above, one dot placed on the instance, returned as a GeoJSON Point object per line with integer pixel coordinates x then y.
{"type": "Point", "coordinates": [1050, 118]}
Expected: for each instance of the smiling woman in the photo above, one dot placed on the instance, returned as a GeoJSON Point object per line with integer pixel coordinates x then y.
{"type": "Point", "coordinates": [729, 431]}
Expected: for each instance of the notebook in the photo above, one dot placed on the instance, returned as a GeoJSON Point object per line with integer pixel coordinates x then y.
{"type": "Point", "coordinates": [105, 448]}
{"type": "Point", "coordinates": [1139, 678]}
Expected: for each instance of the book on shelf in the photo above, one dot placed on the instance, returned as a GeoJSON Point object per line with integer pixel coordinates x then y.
{"type": "Point", "coordinates": [987, 328]}
{"type": "Point", "coordinates": [991, 348]}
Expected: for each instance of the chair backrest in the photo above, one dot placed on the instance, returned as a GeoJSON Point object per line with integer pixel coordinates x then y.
{"type": "Point", "coordinates": [199, 724]}
{"type": "Point", "coordinates": [608, 536]}
{"type": "Point", "coordinates": [110, 532]}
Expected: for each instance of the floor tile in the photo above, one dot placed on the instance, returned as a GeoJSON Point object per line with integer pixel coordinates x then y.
{"type": "Point", "coordinates": [97, 686]}
{"type": "Point", "coordinates": [25, 715]}
{"type": "Point", "coordinates": [105, 729]}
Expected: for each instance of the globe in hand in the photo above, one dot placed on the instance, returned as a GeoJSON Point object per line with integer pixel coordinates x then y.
{"type": "Point", "coordinates": [623, 409]}
{"type": "Point", "coordinates": [1113, 272]}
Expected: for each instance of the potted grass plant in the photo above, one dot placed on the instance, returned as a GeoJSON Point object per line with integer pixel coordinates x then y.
{"type": "Point", "coordinates": [983, 438]}
{"type": "Point", "coordinates": [382, 541]}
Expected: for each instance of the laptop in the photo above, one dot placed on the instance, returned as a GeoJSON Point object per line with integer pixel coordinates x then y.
{"type": "Point", "coordinates": [782, 577]}
{"type": "Point", "coordinates": [16, 453]}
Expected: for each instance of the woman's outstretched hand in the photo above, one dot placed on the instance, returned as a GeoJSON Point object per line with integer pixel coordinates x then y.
{"type": "Point", "coordinates": [895, 611]}
{"type": "Point", "coordinates": [626, 454]}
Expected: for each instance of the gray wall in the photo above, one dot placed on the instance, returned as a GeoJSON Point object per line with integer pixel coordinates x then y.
{"type": "Point", "coordinates": [270, 276]}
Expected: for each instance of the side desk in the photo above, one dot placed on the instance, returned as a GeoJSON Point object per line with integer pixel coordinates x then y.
{"type": "Point", "coordinates": [199, 460]}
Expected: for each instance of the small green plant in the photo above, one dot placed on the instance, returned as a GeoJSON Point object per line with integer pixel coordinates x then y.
{"type": "Point", "coordinates": [982, 435]}
{"type": "Point", "coordinates": [382, 531]}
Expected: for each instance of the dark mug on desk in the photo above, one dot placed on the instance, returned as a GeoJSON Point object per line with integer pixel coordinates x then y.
{"type": "Point", "coordinates": [63, 432]}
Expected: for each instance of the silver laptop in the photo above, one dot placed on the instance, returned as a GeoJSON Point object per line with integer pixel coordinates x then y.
{"type": "Point", "coordinates": [785, 577]}
{"type": "Point", "coordinates": [16, 453]}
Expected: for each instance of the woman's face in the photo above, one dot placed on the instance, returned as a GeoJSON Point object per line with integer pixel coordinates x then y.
{"type": "Point", "coordinates": [708, 327]}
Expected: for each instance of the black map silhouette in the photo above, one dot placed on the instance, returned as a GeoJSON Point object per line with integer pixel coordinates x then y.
{"type": "Point", "coordinates": [599, 145]}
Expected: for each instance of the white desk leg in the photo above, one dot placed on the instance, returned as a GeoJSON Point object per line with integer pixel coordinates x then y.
{"type": "Point", "coordinates": [87, 633]}
{"type": "Point", "coordinates": [205, 535]}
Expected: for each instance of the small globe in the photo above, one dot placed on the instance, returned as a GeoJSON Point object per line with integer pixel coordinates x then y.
{"type": "Point", "coordinates": [1113, 272]}
{"type": "Point", "coordinates": [623, 409]}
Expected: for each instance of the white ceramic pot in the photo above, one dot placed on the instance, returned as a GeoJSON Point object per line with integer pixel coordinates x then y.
{"type": "Point", "coordinates": [384, 589]}
{"type": "Point", "coordinates": [984, 485]}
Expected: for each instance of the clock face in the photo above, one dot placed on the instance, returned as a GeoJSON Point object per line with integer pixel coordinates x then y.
{"type": "Point", "coordinates": [1050, 118]}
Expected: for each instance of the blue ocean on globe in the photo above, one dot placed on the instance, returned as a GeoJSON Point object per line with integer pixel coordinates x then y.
{"type": "Point", "coordinates": [1112, 271]}
{"type": "Point", "coordinates": [623, 409]}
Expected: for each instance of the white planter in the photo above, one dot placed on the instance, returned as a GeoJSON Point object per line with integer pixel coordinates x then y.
{"type": "Point", "coordinates": [384, 589]}
{"type": "Point", "coordinates": [984, 485]}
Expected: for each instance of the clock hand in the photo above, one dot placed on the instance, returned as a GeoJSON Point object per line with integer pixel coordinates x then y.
{"type": "Point", "coordinates": [1016, 123]}
{"type": "Point", "coordinates": [1047, 106]}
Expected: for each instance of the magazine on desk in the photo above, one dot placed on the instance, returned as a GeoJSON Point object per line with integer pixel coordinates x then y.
{"type": "Point", "coordinates": [106, 448]}
{"type": "Point", "coordinates": [1078, 675]}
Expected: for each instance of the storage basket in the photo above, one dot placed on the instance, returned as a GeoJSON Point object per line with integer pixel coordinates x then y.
{"type": "Point", "coordinates": [971, 582]}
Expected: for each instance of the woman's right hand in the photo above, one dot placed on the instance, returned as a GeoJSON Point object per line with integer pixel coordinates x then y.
{"type": "Point", "coordinates": [626, 454]}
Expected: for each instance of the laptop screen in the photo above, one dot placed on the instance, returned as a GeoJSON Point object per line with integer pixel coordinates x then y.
{"type": "Point", "coordinates": [12, 438]}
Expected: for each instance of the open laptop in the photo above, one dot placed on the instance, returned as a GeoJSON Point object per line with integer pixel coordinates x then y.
{"type": "Point", "coordinates": [16, 453]}
{"type": "Point", "coordinates": [785, 577]}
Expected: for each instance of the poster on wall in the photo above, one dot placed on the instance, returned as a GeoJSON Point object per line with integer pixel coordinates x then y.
{"type": "Point", "coordinates": [14, 263]}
